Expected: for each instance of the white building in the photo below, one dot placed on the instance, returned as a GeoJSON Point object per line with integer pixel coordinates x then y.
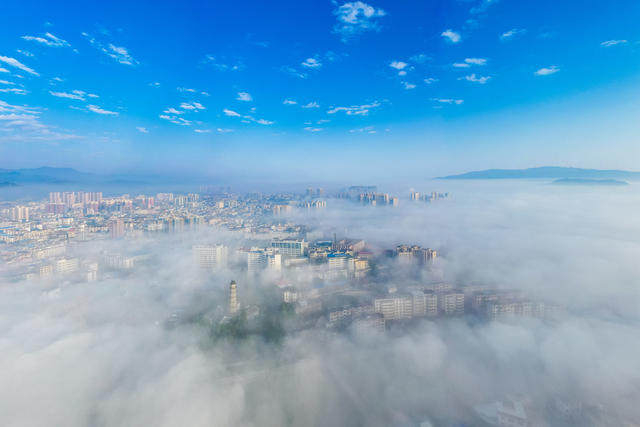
{"type": "Point", "coordinates": [451, 304]}
{"type": "Point", "coordinates": [210, 257]}
{"type": "Point", "coordinates": [66, 265]}
{"type": "Point", "coordinates": [400, 307]}
{"type": "Point", "coordinates": [20, 213]}
{"type": "Point", "coordinates": [290, 247]}
{"type": "Point", "coordinates": [258, 259]}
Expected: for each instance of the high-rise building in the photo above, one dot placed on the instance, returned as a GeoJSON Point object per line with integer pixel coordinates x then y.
{"type": "Point", "coordinates": [66, 265]}
{"type": "Point", "coordinates": [55, 197]}
{"type": "Point", "coordinates": [394, 308]}
{"type": "Point", "coordinates": [256, 260]}
{"type": "Point", "coordinates": [424, 304]}
{"type": "Point", "coordinates": [116, 228]}
{"type": "Point", "coordinates": [337, 261]}
{"type": "Point", "coordinates": [290, 247]}
{"type": "Point", "coordinates": [451, 304]}
{"type": "Point", "coordinates": [233, 298]}
{"type": "Point", "coordinates": [210, 257]}
{"type": "Point", "coordinates": [20, 213]}
{"type": "Point", "coordinates": [418, 304]}
{"type": "Point", "coordinates": [274, 260]}
{"type": "Point", "coordinates": [68, 198]}
{"type": "Point", "coordinates": [55, 208]}
{"type": "Point", "coordinates": [415, 255]}
{"type": "Point", "coordinates": [92, 272]}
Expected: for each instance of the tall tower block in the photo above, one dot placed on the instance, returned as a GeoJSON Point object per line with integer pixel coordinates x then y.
{"type": "Point", "coordinates": [233, 297]}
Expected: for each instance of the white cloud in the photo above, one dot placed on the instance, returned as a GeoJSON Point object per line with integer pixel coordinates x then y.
{"type": "Point", "coordinates": [48, 39]}
{"type": "Point", "coordinates": [311, 63]}
{"type": "Point", "coordinates": [231, 113]}
{"type": "Point", "coordinates": [202, 130]}
{"type": "Point", "coordinates": [14, 90]}
{"type": "Point", "coordinates": [355, 18]}
{"type": "Point", "coordinates": [547, 71]}
{"type": "Point", "coordinates": [289, 102]}
{"type": "Point", "coordinates": [476, 61]}
{"type": "Point", "coordinates": [6, 82]}
{"type": "Point", "coordinates": [355, 110]}
{"type": "Point", "coordinates": [398, 65]}
{"type": "Point", "coordinates": [221, 66]}
{"type": "Point", "coordinates": [244, 96]}
{"type": "Point", "coordinates": [3, 70]}
{"type": "Point", "coordinates": [408, 85]}
{"type": "Point", "coordinates": [448, 101]}
{"type": "Point", "coordinates": [172, 110]}
{"type": "Point", "coordinates": [78, 96]}
{"type": "Point", "coordinates": [21, 123]}
{"type": "Point", "coordinates": [17, 64]}
{"type": "Point", "coordinates": [154, 84]}
{"type": "Point", "coordinates": [119, 53]}
{"type": "Point", "coordinates": [25, 53]}
{"type": "Point", "coordinates": [142, 129]}
{"type": "Point", "coordinates": [247, 118]}
{"type": "Point", "coordinates": [222, 130]}
{"type": "Point", "coordinates": [451, 36]}
{"type": "Point", "coordinates": [508, 35]}
{"type": "Point", "coordinates": [99, 110]}
{"type": "Point", "coordinates": [312, 129]}
{"type": "Point", "coordinates": [430, 80]}
{"type": "Point", "coordinates": [609, 43]}
{"type": "Point", "coordinates": [312, 104]}
{"type": "Point", "coordinates": [186, 89]}
{"type": "Point", "coordinates": [476, 79]}
{"type": "Point", "coordinates": [468, 62]}
{"type": "Point", "coordinates": [294, 72]}
{"type": "Point", "coordinates": [177, 120]}
{"type": "Point", "coordinates": [194, 106]}
{"type": "Point", "coordinates": [367, 129]}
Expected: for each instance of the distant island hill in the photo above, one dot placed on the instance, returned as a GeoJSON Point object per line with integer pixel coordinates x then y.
{"type": "Point", "coordinates": [560, 175]}
{"type": "Point", "coordinates": [53, 175]}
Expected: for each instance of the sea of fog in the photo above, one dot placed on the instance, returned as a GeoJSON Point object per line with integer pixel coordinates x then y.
{"type": "Point", "coordinates": [103, 353]}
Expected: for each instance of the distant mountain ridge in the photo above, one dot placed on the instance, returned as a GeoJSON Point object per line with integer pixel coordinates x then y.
{"type": "Point", "coordinates": [49, 175]}
{"type": "Point", "coordinates": [45, 175]}
{"type": "Point", "coordinates": [547, 172]}
{"type": "Point", "coordinates": [52, 175]}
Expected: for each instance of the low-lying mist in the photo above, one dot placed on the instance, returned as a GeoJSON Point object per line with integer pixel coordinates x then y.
{"type": "Point", "coordinates": [137, 348]}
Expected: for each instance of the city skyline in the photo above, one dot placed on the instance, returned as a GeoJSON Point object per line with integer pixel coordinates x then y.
{"type": "Point", "coordinates": [320, 213]}
{"type": "Point", "coordinates": [438, 87]}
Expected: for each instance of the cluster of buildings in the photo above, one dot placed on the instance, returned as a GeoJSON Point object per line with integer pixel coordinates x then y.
{"type": "Point", "coordinates": [428, 196]}
{"type": "Point", "coordinates": [368, 194]}
{"type": "Point", "coordinates": [42, 240]}
{"type": "Point", "coordinates": [413, 255]}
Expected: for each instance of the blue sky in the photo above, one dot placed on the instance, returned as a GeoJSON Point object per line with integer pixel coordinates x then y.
{"type": "Point", "coordinates": [319, 88]}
